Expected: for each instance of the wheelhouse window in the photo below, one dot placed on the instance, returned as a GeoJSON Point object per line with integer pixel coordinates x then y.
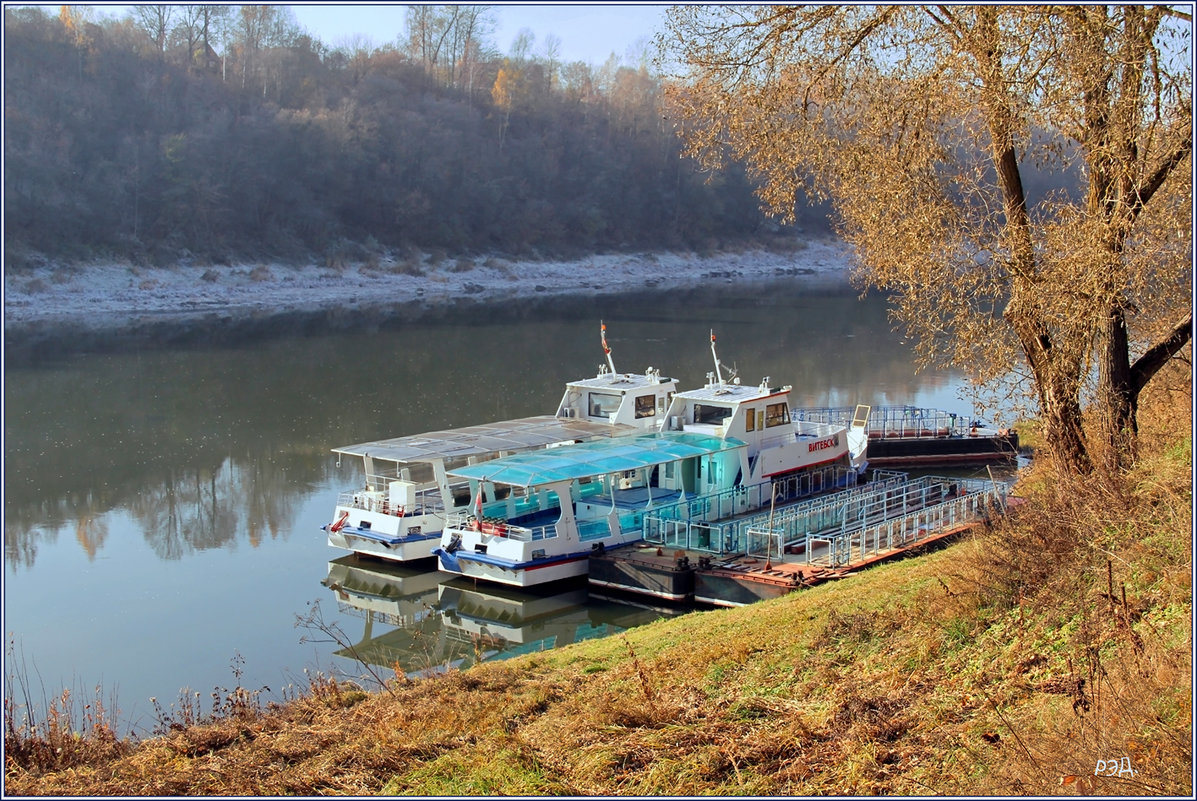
{"type": "Point", "coordinates": [749, 420]}
{"type": "Point", "coordinates": [646, 406]}
{"type": "Point", "coordinates": [713, 415]}
{"type": "Point", "coordinates": [776, 414]}
{"type": "Point", "coordinates": [603, 404]}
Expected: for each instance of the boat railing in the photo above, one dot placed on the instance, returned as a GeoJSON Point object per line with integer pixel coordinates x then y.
{"type": "Point", "coordinates": [500, 527]}
{"type": "Point", "coordinates": [894, 421]}
{"type": "Point", "coordinates": [593, 529]}
{"type": "Point", "coordinates": [800, 513]}
{"type": "Point", "coordinates": [427, 502]}
{"type": "Point", "coordinates": [717, 523]}
{"type": "Point", "coordinates": [837, 549]}
{"type": "Point", "coordinates": [778, 440]}
{"type": "Point", "coordinates": [427, 499]}
{"type": "Point", "coordinates": [818, 428]}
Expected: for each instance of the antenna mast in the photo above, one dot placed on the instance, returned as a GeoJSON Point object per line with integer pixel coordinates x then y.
{"type": "Point", "coordinates": [718, 374]}
{"type": "Point", "coordinates": [606, 348]}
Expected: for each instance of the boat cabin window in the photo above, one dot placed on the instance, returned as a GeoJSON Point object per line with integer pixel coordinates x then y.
{"type": "Point", "coordinates": [749, 420]}
{"type": "Point", "coordinates": [710, 414]}
{"type": "Point", "coordinates": [603, 404]}
{"type": "Point", "coordinates": [646, 406]}
{"type": "Point", "coordinates": [777, 414]}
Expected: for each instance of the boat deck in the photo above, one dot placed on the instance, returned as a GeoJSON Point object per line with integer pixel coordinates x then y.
{"type": "Point", "coordinates": [507, 436]}
{"type": "Point", "coordinates": [637, 497]}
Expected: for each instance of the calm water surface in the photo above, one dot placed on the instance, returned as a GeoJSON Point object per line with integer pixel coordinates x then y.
{"type": "Point", "coordinates": [163, 507]}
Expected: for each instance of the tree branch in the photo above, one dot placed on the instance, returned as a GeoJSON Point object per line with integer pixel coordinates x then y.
{"type": "Point", "coordinates": [1158, 355]}
{"type": "Point", "coordinates": [1157, 178]}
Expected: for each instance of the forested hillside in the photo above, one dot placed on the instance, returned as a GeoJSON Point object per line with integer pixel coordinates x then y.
{"type": "Point", "coordinates": [224, 133]}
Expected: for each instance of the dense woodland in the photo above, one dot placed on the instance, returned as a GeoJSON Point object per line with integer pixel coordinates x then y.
{"type": "Point", "coordinates": [224, 133]}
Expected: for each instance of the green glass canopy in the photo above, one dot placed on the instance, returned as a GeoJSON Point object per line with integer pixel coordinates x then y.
{"type": "Point", "coordinates": [596, 458]}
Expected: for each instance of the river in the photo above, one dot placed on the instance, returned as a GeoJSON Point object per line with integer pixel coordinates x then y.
{"type": "Point", "coordinates": [163, 505]}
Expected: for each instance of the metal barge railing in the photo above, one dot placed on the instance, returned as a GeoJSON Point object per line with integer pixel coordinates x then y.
{"type": "Point", "coordinates": [962, 503]}
{"type": "Point", "coordinates": [710, 522]}
{"type": "Point", "coordinates": [894, 421]}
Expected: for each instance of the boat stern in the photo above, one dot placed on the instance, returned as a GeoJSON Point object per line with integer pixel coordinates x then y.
{"type": "Point", "coordinates": [506, 554]}
{"type": "Point", "coordinates": [364, 524]}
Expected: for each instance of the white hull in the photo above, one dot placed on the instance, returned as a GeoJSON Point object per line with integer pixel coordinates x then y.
{"type": "Point", "coordinates": [399, 539]}
{"type": "Point", "coordinates": [522, 557]}
{"type": "Point", "coordinates": [405, 551]}
{"type": "Point", "coordinates": [517, 576]}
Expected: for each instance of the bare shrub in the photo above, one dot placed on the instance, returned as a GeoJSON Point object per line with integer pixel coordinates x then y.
{"type": "Point", "coordinates": [237, 703]}
{"type": "Point", "coordinates": [408, 265]}
{"type": "Point", "coordinates": [74, 731]}
{"type": "Point", "coordinates": [261, 274]}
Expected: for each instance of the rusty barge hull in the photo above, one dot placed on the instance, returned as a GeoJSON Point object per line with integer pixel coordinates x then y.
{"type": "Point", "coordinates": [946, 450]}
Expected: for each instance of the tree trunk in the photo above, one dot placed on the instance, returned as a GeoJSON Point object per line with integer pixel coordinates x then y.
{"type": "Point", "coordinates": [1062, 427]}
{"type": "Point", "coordinates": [1117, 396]}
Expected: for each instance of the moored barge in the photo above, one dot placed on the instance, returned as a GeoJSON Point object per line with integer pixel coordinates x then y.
{"type": "Point", "coordinates": [910, 436]}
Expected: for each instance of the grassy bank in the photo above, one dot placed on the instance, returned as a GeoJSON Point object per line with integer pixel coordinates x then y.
{"type": "Point", "coordinates": [1018, 661]}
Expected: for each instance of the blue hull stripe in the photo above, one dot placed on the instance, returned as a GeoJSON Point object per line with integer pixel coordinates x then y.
{"type": "Point", "coordinates": [365, 533]}
{"type": "Point", "coordinates": [452, 560]}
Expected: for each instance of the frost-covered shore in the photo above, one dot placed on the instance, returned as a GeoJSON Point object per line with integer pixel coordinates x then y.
{"type": "Point", "coordinates": [51, 303]}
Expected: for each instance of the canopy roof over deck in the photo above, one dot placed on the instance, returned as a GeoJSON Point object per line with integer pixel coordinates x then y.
{"type": "Point", "coordinates": [527, 433]}
{"type": "Point", "coordinates": [595, 458]}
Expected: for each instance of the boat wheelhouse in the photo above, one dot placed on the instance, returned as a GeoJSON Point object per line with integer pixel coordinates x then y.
{"type": "Point", "coordinates": [780, 447]}
{"type": "Point", "coordinates": [400, 511]}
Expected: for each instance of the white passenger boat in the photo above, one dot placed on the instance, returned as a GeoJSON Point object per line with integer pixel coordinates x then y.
{"type": "Point", "coordinates": [724, 450]}
{"type": "Point", "coordinates": [400, 510]}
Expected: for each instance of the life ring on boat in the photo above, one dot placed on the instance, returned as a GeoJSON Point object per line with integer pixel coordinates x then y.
{"type": "Point", "coordinates": [340, 524]}
{"type": "Point", "coordinates": [400, 511]}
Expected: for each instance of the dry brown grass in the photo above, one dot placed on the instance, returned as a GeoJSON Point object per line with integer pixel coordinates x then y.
{"type": "Point", "coordinates": [1009, 663]}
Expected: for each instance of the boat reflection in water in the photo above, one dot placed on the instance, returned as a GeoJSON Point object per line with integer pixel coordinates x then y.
{"type": "Point", "coordinates": [423, 622]}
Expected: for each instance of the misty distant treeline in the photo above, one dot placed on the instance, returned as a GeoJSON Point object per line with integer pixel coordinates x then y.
{"type": "Point", "coordinates": [223, 133]}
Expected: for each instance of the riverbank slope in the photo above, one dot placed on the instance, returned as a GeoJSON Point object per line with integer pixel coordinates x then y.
{"type": "Point", "coordinates": [1047, 655]}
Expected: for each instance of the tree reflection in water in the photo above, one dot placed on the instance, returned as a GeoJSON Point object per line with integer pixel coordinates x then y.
{"type": "Point", "coordinates": [208, 447]}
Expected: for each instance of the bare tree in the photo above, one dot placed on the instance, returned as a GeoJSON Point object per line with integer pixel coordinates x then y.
{"type": "Point", "coordinates": [938, 132]}
{"type": "Point", "coordinates": [522, 44]}
{"type": "Point", "coordinates": [188, 34]}
{"type": "Point", "coordinates": [552, 58]}
{"type": "Point", "coordinates": [429, 28]}
{"type": "Point", "coordinates": [156, 22]}
{"type": "Point", "coordinates": [449, 41]}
